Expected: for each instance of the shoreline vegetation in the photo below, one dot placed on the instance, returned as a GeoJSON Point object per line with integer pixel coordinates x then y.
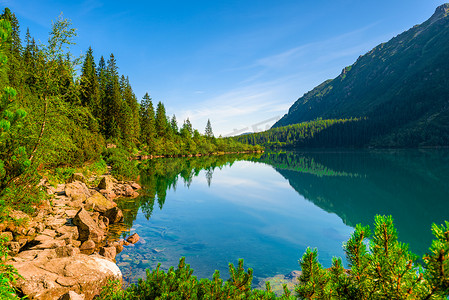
{"type": "Point", "coordinates": [55, 207]}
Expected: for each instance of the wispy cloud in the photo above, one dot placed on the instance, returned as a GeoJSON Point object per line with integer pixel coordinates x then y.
{"type": "Point", "coordinates": [89, 5]}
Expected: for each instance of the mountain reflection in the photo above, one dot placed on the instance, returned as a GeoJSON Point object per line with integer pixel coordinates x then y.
{"type": "Point", "coordinates": [410, 185]}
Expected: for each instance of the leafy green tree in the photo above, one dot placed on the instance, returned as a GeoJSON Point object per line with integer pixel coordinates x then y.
{"type": "Point", "coordinates": [50, 59]}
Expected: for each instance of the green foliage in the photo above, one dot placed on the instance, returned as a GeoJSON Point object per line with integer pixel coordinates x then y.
{"type": "Point", "coordinates": [387, 270]}
{"type": "Point", "coordinates": [119, 160]}
{"type": "Point", "coordinates": [181, 284]}
{"type": "Point", "coordinates": [316, 133]}
{"type": "Point", "coordinates": [8, 274]}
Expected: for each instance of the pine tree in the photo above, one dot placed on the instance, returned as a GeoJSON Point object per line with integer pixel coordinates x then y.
{"type": "Point", "coordinates": [14, 51]}
{"type": "Point", "coordinates": [174, 125]}
{"type": "Point", "coordinates": [112, 100]}
{"type": "Point", "coordinates": [186, 129]}
{"type": "Point", "coordinates": [161, 120]}
{"type": "Point", "coordinates": [130, 111]}
{"type": "Point", "coordinates": [13, 157]}
{"type": "Point", "coordinates": [208, 132]}
{"type": "Point", "coordinates": [147, 120]}
{"type": "Point", "coordinates": [89, 85]}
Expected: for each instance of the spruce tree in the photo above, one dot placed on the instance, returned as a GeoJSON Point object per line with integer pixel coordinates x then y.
{"type": "Point", "coordinates": [174, 125]}
{"type": "Point", "coordinates": [14, 51]}
{"type": "Point", "coordinates": [147, 120]}
{"type": "Point", "coordinates": [208, 132]}
{"type": "Point", "coordinates": [13, 157]}
{"type": "Point", "coordinates": [112, 100]}
{"type": "Point", "coordinates": [89, 85]}
{"type": "Point", "coordinates": [161, 120]}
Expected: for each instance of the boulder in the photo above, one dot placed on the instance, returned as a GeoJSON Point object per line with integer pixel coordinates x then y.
{"type": "Point", "coordinates": [29, 255]}
{"type": "Point", "coordinates": [72, 296]}
{"type": "Point", "coordinates": [114, 215]}
{"type": "Point", "coordinates": [106, 183]}
{"type": "Point", "coordinates": [73, 230]}
{"type": "Point", "coordinates": [103, 222]}
{"type": "Point", "coordinates": [14, 248]}
{"type": "Point", "coordinates": [88, 247]}
{"type": "Point", "coordinates": [134, 238]}
{"type": "Point", "coordinates": [108, 252]}
{"type": "Point", "coordinates": [99, 203]}
{"type": "Point", "coordinates": [77, 190]}
{"type": "Point", "coordinates": [109, 194]}
{"type": "Point", "coordinates": [66, 251]}
{"type": "Point", "coordinates": [135, 185]}
{"type": "Point", "coordinates": [48, 244]}
{"type": "Point", "coordinates": [52, 278]}
{"type": "Point", "coordinates": [77, 177]}
{"type": "Point", "coordinates": [128, 191]}
{"type": "Point", "coordinates": [87, 227]}
{"type": "Point", "coordinates": [7, 234]}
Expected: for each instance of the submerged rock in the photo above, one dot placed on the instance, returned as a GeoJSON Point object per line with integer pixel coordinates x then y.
{"type": "Point", "coordinates": [134, 238]}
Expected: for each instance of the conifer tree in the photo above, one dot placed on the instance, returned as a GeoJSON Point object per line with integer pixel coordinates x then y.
{"type": "Point", "coordinates": [174, 125]}
{"type": "Point", "coordinates": [130, 111]}
{"type": "Point", "coordinates": [14, 51]}
{"type": "Point", "coordinates": [29, 60]}
{"type": "Point", "coordinates": [89, 85]}
{"type": "Point", "coordinates": [161, 120]}
{"type": "Point", "coordinates": [13, 158]}
{"type": "Point", "coordinates": [187, 129]}
{"type": "Point", "coordinates": [147, 120]}
{"type": "Point", "coordinates": [112, 100]}
{"type": "Point", "coordinates": [208, 132]}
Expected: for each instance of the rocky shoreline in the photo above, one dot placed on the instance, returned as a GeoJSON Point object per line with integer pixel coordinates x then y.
{"type": "Point", "coordinates": [62, 252]}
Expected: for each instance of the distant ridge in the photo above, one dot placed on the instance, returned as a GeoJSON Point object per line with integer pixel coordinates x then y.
{"type": "Point", "coordinates": [400, 87]}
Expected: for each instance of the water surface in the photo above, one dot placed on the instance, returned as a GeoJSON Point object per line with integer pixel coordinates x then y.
{"type": "Point", "coordinates": [269, 209]}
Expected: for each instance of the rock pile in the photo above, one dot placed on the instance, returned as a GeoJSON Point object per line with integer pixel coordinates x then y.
{"type": "Point", "coordinates": [62, 249]}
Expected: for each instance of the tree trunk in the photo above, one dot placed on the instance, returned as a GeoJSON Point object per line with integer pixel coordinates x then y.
{"type": "Point", "coordinates": [44, 122]}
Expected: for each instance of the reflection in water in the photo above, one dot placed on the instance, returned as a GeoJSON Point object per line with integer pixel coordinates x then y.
{"type": "Point", "coordinates": [410, 185]}
{"type": "Point", "coordinates": [161, 175]}
{"type": "Point", "coordinates": [212, 213]}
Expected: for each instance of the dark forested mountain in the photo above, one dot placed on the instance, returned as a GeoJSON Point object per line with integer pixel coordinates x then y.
{"type": "Point", "coordinates": [399, 89]}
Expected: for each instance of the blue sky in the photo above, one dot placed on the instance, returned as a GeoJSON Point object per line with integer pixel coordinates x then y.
{"type": "Point", "coordinates": [240, 63]}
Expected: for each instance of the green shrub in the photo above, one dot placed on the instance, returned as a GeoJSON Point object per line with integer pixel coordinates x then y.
{"type": "Point", "coordinates": [386, 269]}
{"type": "Point", "coordinates": [8, 274]}
{"type": "Point", "coordinates": [122, 167]}
{"type": "Point", "coordinates": [181, 284]}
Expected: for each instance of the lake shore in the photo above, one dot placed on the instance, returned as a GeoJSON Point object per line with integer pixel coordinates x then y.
{"type": "Point", "coordinates": [65, 246]}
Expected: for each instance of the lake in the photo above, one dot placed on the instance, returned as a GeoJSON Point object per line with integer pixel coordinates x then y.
{"type": "Point", "coordinates": [267, 209]}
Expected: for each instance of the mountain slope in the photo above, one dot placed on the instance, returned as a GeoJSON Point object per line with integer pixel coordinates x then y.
{"type": "Point", "coordinates": [401, 87]}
